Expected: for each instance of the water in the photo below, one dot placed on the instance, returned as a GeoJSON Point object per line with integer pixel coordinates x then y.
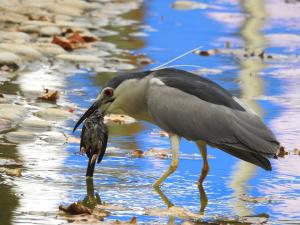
{"type": "Point", "coordinates": [54, 175]}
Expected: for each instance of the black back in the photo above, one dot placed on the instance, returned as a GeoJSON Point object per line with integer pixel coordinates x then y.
{"type": "Point", "coordinates": [190, 83]}
{"type": "Point", "coordinates": [198, 86]}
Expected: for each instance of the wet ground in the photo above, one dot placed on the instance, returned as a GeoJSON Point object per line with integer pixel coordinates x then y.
{"type": "Point", "coordinates": [257, 59]}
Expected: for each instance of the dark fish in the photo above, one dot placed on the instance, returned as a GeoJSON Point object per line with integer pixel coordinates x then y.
{"type": "Point", "coordinates": [93, 142]}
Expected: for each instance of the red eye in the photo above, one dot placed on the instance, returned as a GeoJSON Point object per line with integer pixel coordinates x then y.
{"type": "Point", "coordinates": [109, 92]}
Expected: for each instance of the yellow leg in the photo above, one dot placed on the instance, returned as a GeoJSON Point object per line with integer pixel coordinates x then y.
{"type": "Point", "coordinates": [175, 141]}
{"type": "Point", "coordinates": [205, 167]}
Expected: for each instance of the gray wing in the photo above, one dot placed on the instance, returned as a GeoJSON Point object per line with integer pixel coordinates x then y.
{"type": "Point", "coordinates": [198, 86]}
{"type": "Point", "coordinates": [236, 132]}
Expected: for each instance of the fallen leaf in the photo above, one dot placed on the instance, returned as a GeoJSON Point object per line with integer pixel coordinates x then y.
{"type": "Point", "coordinates": [11, 172]}
{"type": "Point", "coordinates": [71, 109]}
{"type": "Point", "coordinates": [137, 153]}
{"type": "Point", "coordinates": [76, 38]}
{"type": "Point", "coordinates": [75, 209]}
{"type": "Point", "coordinates": [248, 198]}
{"type": "Point", "coordinates": [207, 52]}
{"type": "Point", "coordinates": [282, 152]}
{"type": "Point", "coordinates": [49, 95]}
{"type": "Point", "coordinates": [74, 41]}
{"type": "Point", "coordinates": [65, 44]}
{"type": "Point", "coordinates": [89, 38]}
{"type": "Point", "coordinates": [1, 95]}
{"type": "Point", "coordinates": [158, 153]}
{"type": "Point", "coordinates": [174, 211]}
{"type": "Point", "coordinates": [110, 207]}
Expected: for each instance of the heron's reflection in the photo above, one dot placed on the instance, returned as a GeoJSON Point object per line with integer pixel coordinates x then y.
{"type": "Point", "coordinates": [251, 86]}
{"type": "Point", "coordinates": [202, 193]}
{"type": "Point", "coordinates": [91, 199]}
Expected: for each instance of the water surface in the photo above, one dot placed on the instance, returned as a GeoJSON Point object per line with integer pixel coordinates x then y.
{"type": "Point", "coordinates": [54, 174]}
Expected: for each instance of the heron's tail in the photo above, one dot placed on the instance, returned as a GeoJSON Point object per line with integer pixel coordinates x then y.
{"type": "Point", "coordinates": [91, 166]}
{"type": "Point", "coordinates": [251, 157]}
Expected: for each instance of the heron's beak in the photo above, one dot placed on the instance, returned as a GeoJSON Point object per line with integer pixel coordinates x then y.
{"type": "Point", "coordinates": [89, 112]}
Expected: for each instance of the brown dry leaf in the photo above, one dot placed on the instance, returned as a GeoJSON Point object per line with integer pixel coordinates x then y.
{"type": "Point", "coordinates": [282, 152]}
{"type": "Point", "coordinates": [75, 209]}
{"type": "Point", "coordinates": [89, 39]}
{"type": "Point", "coordinates": [76, 38]}
{"type": "Point", "coordinates": [248, 198]}
{"type": "Point", "coordinates": [137, 153]}
{"type": "Point", "coordinates": [174, 211]}
{"type": "Point", "coordinates": [206, 53]}
{"type": "Point", "coordinates": [49, 95]}
{"type": "Point", "coordinates": [65, 44]}
{"type": "Point", "coordinates": [71, 109]}
{"type": "Point", "coordinates": [1, 95]}
{"type": "Point", "coordinates": [74, 41]}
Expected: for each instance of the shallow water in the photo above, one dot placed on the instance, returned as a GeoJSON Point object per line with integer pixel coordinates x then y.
{"type": "Point", "coordinates": [54, 174]}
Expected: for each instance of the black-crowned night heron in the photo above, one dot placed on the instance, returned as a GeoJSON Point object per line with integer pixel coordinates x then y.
{"type": "Point", "coordinates": [186, 105]}
{"type": "Point", "coordinates": [93, 141]}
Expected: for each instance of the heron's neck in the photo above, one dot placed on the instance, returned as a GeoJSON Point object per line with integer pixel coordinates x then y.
{"type": "Point", "coordinates": [132, 99]}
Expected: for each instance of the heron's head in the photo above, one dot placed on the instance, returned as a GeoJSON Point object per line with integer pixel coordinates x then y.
{"type": "Point", "coordinates": [114, 95]}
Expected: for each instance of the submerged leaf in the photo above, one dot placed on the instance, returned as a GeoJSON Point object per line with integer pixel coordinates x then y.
{"type": "Point", "coordinates": [75, 209]}
{"type": "Point", "coordinates": [174, 211]}
{"type": "Point", "coordinates": [248, 198]}
{"type": "Point", "coordinates": [111, 207]}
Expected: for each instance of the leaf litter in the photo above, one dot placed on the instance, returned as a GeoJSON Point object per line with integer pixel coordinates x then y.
{"type": "Point", "coordinates": [77, 213]}
{"type": "Point", "coordinates": [49, 95]}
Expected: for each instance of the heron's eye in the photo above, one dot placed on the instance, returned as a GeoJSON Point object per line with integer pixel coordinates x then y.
{"type": "Point", "coordinates": [108, 92]}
